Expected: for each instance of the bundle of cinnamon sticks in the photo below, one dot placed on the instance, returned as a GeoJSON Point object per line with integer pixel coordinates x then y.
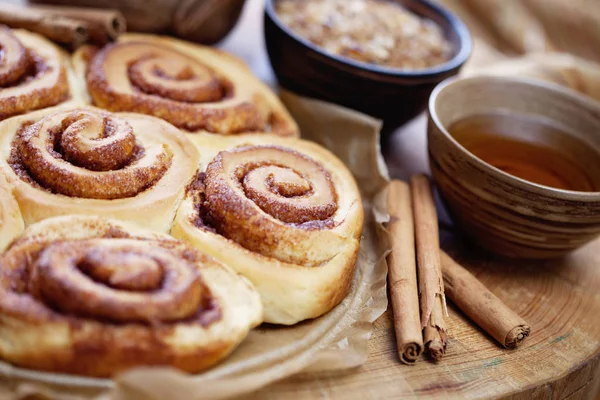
{"type": "Point", "coordinates": [71, 26]}
{"type": "Point", "coordinates": [420, 275]}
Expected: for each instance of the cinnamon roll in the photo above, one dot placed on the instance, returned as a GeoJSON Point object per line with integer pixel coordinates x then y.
{"type": "Point", "coordinates": [34, 73]}
{"type": "Point", "coordinates": [91, 162]}
{"type": "Point", "coordinates": [11, 222]}
{"type": "Point", "coordinates": [196, 88]}
{"type": "Point", "coordinates": [285, 213]}
{"type": "Point", "coordinates": [92, 296]}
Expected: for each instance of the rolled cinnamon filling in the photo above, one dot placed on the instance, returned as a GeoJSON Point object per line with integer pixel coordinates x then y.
{"type": "Point", "coordinates": [161, 81]}
{"type": "Point", "coordinates": [260, 196]}
{"type": "Point", "coordinates": [30, 78]}
{"type": "Point", "coordinates": [122, 280]}
{"type": "Point", "coordinates": [89, 154]}
{"type": "Point", "coordinates": [178, 79]}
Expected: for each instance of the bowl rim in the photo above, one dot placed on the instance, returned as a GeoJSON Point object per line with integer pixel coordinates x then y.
{"type": "Point", "coordinates": [465, 44]}
{"type": "Point", "coordinates": [568, 95]}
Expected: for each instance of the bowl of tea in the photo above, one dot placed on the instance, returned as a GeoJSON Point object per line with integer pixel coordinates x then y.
{"type": "Point", "coordinates": [517, 163]}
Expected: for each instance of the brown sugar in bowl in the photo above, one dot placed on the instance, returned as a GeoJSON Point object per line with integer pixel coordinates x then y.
{"type": "Point", "coordinates": [392, 94]}
{"type": "Point", "coordinates": [504, 214]}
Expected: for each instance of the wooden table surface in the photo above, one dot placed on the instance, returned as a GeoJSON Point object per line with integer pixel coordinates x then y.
{"type": "Point", "coordinates": [560, 300]}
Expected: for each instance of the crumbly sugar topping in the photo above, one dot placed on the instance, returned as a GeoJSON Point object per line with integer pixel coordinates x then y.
{"type": "Point", "coordinates": [379, 32]}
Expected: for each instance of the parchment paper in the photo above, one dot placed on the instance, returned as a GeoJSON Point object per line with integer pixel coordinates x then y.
{"type": "Point", "coordinates": [335, 341]}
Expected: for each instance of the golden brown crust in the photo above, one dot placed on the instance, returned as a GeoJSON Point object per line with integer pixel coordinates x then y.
{"type": "Point", "coordinates": [288, 216]}
{"type": "Point", "coordinates": [34, 73]}
{"type": "Point", "coordinates": [11, 221]}
{"type": "Point", "coordinates": [66, 160]}
{"type": "Point", "coordinates": [78, 287]}
{"type": "Point", "coordinates": [195, 88]}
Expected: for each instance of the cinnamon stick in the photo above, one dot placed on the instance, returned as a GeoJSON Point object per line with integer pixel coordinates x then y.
{"type": "Point", "coordinates": [103, 25]}
{"type": "Point", "coordinates": [482, 306]}
{"type": "Point", "coordinates": [431, 284]}
{"type": "Point", "coordinates": [402, 273]}
{"type": "Point", "coordinates": [57, 28]}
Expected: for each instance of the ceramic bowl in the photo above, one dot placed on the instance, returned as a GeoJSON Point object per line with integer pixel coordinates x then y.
{"type": "Point", "coordinates": [502, 213]}
{"type": "Point", "coordinates": [390, 94]}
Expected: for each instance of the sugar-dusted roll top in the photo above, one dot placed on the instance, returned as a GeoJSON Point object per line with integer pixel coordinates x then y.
{"type": "Point", "coordinates": [73, 283]}
{"type": "Point", "coordinates": [285, 213]}
{"type": "Point", "coordinates": [274, 201]}
{"type": "Point", "coordinates": [34, 73]}
{"type": "Point", "coordinates": [120, 280]}
{"type": "Point", "coordinates": [196, 88]}
{"type": "Point", "coordinates": [88, 161]}
{"type": "Point", "coordinates": [90, 154]}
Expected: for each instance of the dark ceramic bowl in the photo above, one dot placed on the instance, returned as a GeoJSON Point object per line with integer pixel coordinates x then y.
{"type": "Point", "coordinates": [391, 94]}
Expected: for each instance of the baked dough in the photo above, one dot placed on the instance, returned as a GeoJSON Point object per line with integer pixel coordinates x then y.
{"type": "Point", "coordinates": [91, 296]}
{"type": "Point", "coordinates": [285, 213]}
{"type": "Point", "coordinates": [88, 161]}
{"type": "Point", "coordinates": [196, 88]}
{"type": "Point", "coordinates": [11, 222]}
{"type": "Point", "coordinates": [34, 73]}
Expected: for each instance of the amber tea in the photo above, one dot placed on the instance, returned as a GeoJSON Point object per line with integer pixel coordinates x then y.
{"type": "Point", "coordinates": [527, 148]}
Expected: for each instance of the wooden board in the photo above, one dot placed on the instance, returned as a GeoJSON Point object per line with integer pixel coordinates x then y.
{"type": "Point", "coordinates": [560, 360]}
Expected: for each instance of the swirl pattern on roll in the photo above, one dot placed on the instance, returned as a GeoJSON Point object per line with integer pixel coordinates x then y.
{"type": "Point", "coordinates": [287, 215]}
{"type": "Point", "coordinates": [136, 297]}
{"type": "Point", "coordinates": [32, 73]}
{"type": "Point", "coordinates": [90, 161]}
{"type": "Point", "coordinates": [193, 87]}
{"type": "Point", "coordinates": [274, 188]}
{"type": "Point", "coordinates": [91, 155]}
{"type": "Point", "coordinates": [120, 280]}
